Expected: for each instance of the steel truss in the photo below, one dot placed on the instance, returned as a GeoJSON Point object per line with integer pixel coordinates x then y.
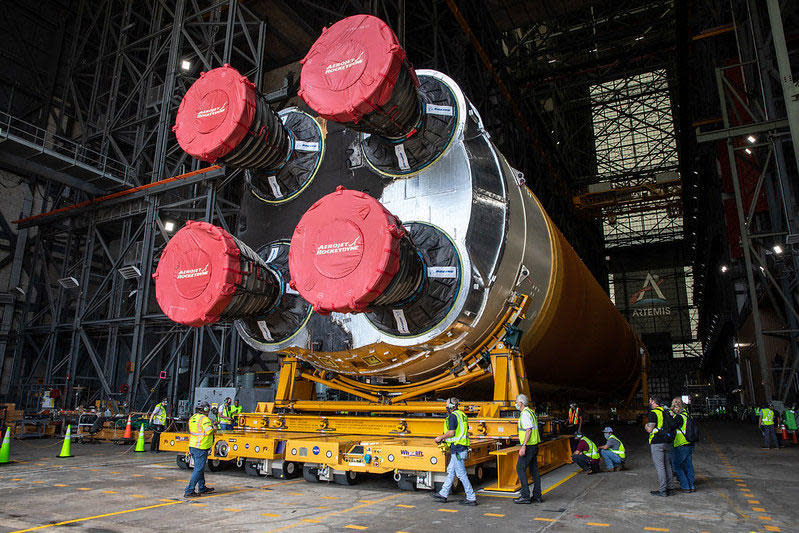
{"type": "Point", "coordinates": [89, 322]}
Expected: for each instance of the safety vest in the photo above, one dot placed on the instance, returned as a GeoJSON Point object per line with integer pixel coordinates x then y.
{"type": "Point", "coordinates": [620, 452]}
{"type": "Point", "coordinates": [574, 416]}
{"type": "Point", "coordinates": [235, 410]}
{"type": "Point", "coordinates": [593, 451]}
{"type": "Point", "coordinates": [789, 417]}
{"type": "Point", "coordinates": [200, 427]}
{"type": "Point", "coordinates": [659, 414]}
{"type": "Point", "coordinates": [767, 417]}
{"type": "Point", "coordinates": [461, 435]}
{"type": "Point", "coordinates": [535, 438]}
{"type": "Point", "coordinates": [225, 416]}
{"type": "Point", "coordinates": [159, 414]}
{"type": "Point", "coordinates": [679, 438]}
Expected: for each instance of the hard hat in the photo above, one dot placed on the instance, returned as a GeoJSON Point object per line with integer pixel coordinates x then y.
{"type": "Point", "coordinates": [607, 429]}
{"type": "Point", "coordinates": [203, 406]}
{"type": "Point", "coordinates": [578, 435]}
{"type": "Point", "coordinates": [452, 403]}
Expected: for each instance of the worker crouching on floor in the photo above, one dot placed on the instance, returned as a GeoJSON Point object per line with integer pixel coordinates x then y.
{"type": "Point", "coordinates": [612, 451]}
{"type": "Point", "coordinates": [456, 436]}
{"type": "Point", "coordinates": [586, 454]}
{"type": "Point", "coordinates": [528, 453]}
{"type": "Point", "coordinates": [158, 422]}
{"type": "Point", "coordinates": [200, 442]}
{"type": "Point", "coordinates": [660, 445]}
{"type": "Point", "coordinates": [682, 456]}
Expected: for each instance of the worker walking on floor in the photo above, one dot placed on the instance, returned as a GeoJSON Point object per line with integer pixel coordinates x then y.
{"type": "Point", "coordinates": [575, 421]}
{"type": "Point", "coordinates": [586, 454]}
{"type": "Point", "coordinates": [200, 442]}
{"type": "Point", "coordinates": [766, 424]}
{"type": "Point", "coordinates": [660, 445]}
{"type": "Point", "coordinates": [456, 436]}
{"type": "Point", "coordinates": [528, 453]}
{"type": "Point", "coordinates": [158, 423]}
{"type": "Point", "coordinates": [682, 456]}
{"type": "Point", "coordinates": [612, 452]}
{"type": "Point", "coordinates": [225, 416]}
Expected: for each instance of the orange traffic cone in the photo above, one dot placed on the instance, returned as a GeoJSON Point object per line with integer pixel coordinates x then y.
{"type": "Point", "coordinates": [784, 434]}
{"type": "Point", "coordinates": [128, 431]}
{"type": "Point", "coordinates": [793, 436]}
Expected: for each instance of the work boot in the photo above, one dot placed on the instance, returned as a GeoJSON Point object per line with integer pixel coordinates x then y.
{"type": "Point", "coordinates": [192, 494]}
{"type": "Point", "coordinates": [537, 500]}
{"type": "Point", "coordinates": [522, 500]}
{"type": "Point", "coordinates": [438, 497]}
{"type": "Point", "coordinates": [206, 490]}
{"type": "Point", "coordinates": [468, 502]}
{"type": "Point", "coordinates": [658, 493]}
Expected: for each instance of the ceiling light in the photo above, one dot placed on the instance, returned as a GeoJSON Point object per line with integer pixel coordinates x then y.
{"type": "Point", "coordinates": [169, 226]}
{"type": "Point", "coordinates": [724, 268]}
{"type": "Point", "coordinates": [639, 38]}
{"type": "Point", "coordinates": [762, 269]}
{"type": "Point", "coordinates": [553, 60]}
{"type": "Point", "coordinates": [777, 249]}
{"type": "Point", "coordinates": [185, 64]}
{"type": "Point", "coordinates": [752, 139]}
{"type": "Point", "coordinates": [748, 151]}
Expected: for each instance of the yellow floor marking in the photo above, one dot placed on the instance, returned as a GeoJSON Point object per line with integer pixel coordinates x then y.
{"type": "Point", "coordinates": [561, 482]}
{"type": "Point", "coordinates": [405, 506]}
{"type": "Point", "coordinates": [199, 504]}
{"type": "Point", "coordinates": [545, 519]}
{"type": "Point", "coordinates": [39, 464]}
{"type": "Point", "coordinates": [759, 509]}
{"type": "Point", "coordinates": [115, 472]}
{"type": "Point", "coordinates": [353, 526]}
{"type": "Point", "coordinates": [232, 510]}
{"type": "Point", "coordinates": [157, 477]}
{"type": "Point", "coordinates": [291, 526]}
{"type": "Point", "coordinates": [59, 485]}
{"type": "Point", "coordinates": [84, 488]}
{"type": "Point", "coordinates": [598, 524]}
{"type": "Point", "coordinates": [494, 514]}
{"type": "Point", "coordinates": [760, 517]}
{"type": "Point", "coordinates": [109, 492]}
{"type": "Point", "coordinates": [95, 469]}
{"type": "Point", "coordinates": [323, 507]}
{"type": "Point", "coordinates": [402, 531]}
{"type": "Point", "coordinates": [137, 475]}
{"type": "Point", "coordinates": [647, 528]}
{"type": "Point", "coordinates": [447, 510]}
{"type": "Point", "coordinates": [168, 500]}
{"type": "Point", "coordinates": [38, 481]}
{"type": "Point", "coordinates": [772, 528]}
{"type": "Point", "coordinates": [753, 501]}
{"type": "Point", "coordinates": [738, 480]}
{"type": "Point", "coordinates": [137, 496]}
{"type": "Point", "coordinates": [311, 520]}
{"type": "Point", "coordinates": [272, 515]}
{"type": "Point", "coordinates": [16, 479]}
{"type": "Point", "coordinates": [294, 493]}
{"type": "Point", "coordinates": [330, 497]}
{"type": "Point", "coordinates": [367, 501]}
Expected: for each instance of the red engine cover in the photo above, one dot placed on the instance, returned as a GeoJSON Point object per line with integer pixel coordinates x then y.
{"type": "Point", "coordinates": [197, 274]}
{"type": "Point", "coordinates": [215, 114]}
{"type": "Point", "coordinates": [351, 69]}
{"type": "Point", "coordinates": [344, 252]}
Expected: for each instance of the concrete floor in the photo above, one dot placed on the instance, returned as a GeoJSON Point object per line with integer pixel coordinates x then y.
{"type": "Point", "coordinates": [740, 487]}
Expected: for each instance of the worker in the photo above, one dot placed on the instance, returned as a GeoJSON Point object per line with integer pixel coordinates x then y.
{"type": "Point", "coordinates": [586, 454]}
{"type": "Point", "coordinates": [158, 423]}
{"type": "Point", "coordinates": [766, 424]}
{"type": "Point", "coordinates": [235, 411]}
{"type": "Point", "coordinates": [612, 452]}
{"type": "Point", "coordinates": [682, 456]}
{"type": "Point", "coordinates": [575, 422]}
{"type": "Point", "coordinates": [528, 452]}
{"type": "Point", "coordinates": [789, 418]}
{"type": "Point", "coordinates": [200, 442]}
{"type": "Point", "coordinates": [456, 436]}
{"type": "Point", "coordinates": [660, 444]}
{"type": "Point", "coordinates": [225, 416]}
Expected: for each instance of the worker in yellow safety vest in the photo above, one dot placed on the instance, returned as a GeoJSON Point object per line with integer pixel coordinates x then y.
{"type": "Point", "coordinates": [575, 421]}
{"type": "Point", "coordinates": [766, 423]}
{"type": "Point", "coordinates": [158, 423]}
{"type": "Point", "coordinates": [612, 452]}
{"type": "Point", "coordinates": [456, 436]}
{"type": "Point", "coordinates": [586, 454]}
{"type": "Point", "coordinates": [235, 411]}
{"type": "Point", "coordinates": [225, 416]}
{"type": "Point", "coordinates": [682, 462]}
{"type": "Point", "coordinates": [202, 438]}
{"type": "Point", "coordinates": [529, 438]}
{"type": "Point", "coordinates": [658, 426]}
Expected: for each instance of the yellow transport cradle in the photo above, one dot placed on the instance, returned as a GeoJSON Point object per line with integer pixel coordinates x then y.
{"type": "Point", "coordinates": [386, 432]}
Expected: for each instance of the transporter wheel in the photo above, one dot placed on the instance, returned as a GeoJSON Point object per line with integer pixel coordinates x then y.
{"type": "Point", "coordinates": [251, 468]}
{"type": "Point", "coordinates": [289, 470]}
{"type": "Point", "coordinates": [310, 474]}
{"type": "Point", "coordinates": [348, 478]}
{"type": "Point", "coordinates": [215, 465]}
{"type": "Point", "coordinates": [407, 482]}
{"type": "Point", "coordinates": [181, 462]}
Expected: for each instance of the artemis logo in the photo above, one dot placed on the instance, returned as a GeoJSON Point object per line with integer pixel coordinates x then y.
{"type": "Point", "coordinates": [211, 111]}
{"type": "Point", "coordinates": [650, 293]}
{"type": "Point", "coordinates": [339, 247]}
{"type": "Point", "coordinates": [344, 65]}
{"type": "Point", "coordinates": [193, 272]}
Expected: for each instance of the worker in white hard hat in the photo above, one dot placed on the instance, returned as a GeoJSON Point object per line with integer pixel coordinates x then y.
{"type": "Point", "coordinates": [612, 452]}
{"type": "Point", "coordinates": [456, 436]}
{"type": "Point", "coordinates": [528, 452]}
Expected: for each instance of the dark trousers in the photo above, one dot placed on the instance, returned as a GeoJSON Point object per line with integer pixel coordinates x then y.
{"type": "Point", "coordinates": [529, 461]}
{"type": "Point", "coordinates": [769, 436]}
{"type": "Point", "coordinates": [157, 430]}
{"type": "Point", "coordinates": [585, 463]}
